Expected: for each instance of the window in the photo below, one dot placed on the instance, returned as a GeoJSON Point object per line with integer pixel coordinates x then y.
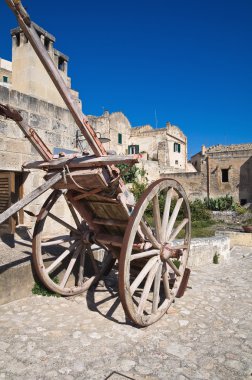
{"type": "Point", "coordinates": [176, 147]}
{"type": "Point", "coordinates": [61, 63]}
{"type": "Point", "coordinates": [119, 138]}
{"type": "Point", "coordinates": [224, 175]}
{"type": "Point", "coordinates": [133, 149]}
{"type": "Point", "coordinates": [176, 162]}
{"type": "Point", "coordinates": [5, 79]}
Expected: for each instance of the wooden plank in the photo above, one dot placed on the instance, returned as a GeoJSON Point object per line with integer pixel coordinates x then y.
{"type": "Point", "coordinates": [83, 162]}
{"type": "Point", "coordinates": [110, 222]}
{"type": "Point", "coordinates": [30, 197]}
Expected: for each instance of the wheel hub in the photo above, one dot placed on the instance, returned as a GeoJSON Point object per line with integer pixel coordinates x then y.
{"type": "Point", "coordinates": [167, 252]}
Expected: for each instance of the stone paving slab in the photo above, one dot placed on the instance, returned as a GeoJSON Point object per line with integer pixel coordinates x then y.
{"type": "Point", "coordinates": [206, 335]}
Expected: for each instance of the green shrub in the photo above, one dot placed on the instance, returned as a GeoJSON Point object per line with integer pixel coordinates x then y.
{"type": "Point", "coordinates": [138, 189]}
{"type": "Point", "coordinates": [216, 258]}
{"type": "Point", "coordinates": [199, 210]}
{"type": "Point", "coordinates": [128, 173]}
{"type": "Point", "coordinates": [40, 290]}
{"type": "Point", "coordinates": [220, 204]}
{"type": "Point", "coordinates": [239, 209]}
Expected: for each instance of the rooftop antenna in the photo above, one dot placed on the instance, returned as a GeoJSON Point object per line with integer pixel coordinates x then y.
{"type": "Point", "coordinates": [156, 120]}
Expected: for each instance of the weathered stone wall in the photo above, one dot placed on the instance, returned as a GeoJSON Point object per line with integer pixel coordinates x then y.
{"type": "Point", "coordinates": [5, 71]}
{"type": "Point", "coordinates": [239, 166]}
{"type": "Point", "coordinates": [53, 124]}
{"type": "Point", "coordinates": [193, 183]}
{"type": "Point", "coordinates": [151, 168]}
{"type": "Point", "coordinates": [236, 160]}
{"type": "Point", "coordinates": [29, 75]}
{"type": "Point", "coordinates": [110, 125]}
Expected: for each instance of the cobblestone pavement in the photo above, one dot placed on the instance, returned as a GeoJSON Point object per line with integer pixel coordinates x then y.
{"type": "Point", "coordinates": [206, 335]}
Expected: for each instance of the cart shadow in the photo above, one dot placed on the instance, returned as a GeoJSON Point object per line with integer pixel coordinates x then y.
{"type": "Point", "coordinates": [103, 298]}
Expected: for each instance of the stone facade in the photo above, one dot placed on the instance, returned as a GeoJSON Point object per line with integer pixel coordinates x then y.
{"type": "Point", "coordinates": [228, 170]}
{"type": "Point", "coordinates": [28, 74]}
{"type": "Point", "coordinates": [164, 150]}
{"type": "Point", "coordinates": [115, 127]}
{"type": "Point", "coordinates": [5, 72]}
{"type": "Point", "coordinates": [53, 124]}
{"type": "Point", "coordinates": [221, 170]}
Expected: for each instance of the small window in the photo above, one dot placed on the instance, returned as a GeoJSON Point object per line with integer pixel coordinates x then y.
{"type": "Point", "coordinates": [5, 79]}
{"type": "Point", "coordinates": [176, 147]}
{"type": "Point", "coordinates": [61, 64]}
{"type": "Point", "coordinates": [133, 149]}
{"type": "Point", "coordinates": [224, 175]}
{"type": "Point", "coordinates": [119, 138]}
{"type": "Point", "coordinates": [176, 162]}
{"type": "Point", "coordinates": [47, 43]}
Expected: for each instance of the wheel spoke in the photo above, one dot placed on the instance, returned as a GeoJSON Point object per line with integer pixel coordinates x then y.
{"type": "Point", "coordinates": [173, 267]}
{"type": "Point", "coordinates": [157, 218]}
{"type": "Point", "coordinates": [142, 274]}
{"type": "Point", "coordinates": [166, 213]}
{"type": "Point", "coordinates": [61, 257]}
{"type": "Point", "coordinates": [166, 281]}
{"type": "Point", "coordinates": [82, 263]}
{"type": "Point", "coordinates": [56, 241]}
{"type": "Point", "coordinates": [147, 288]}
{"type": "Point", "coordinates": [149, 235]}
{"type": "Point", "coordinates": [156, 289]}
{"type": "Point", "coordinates": [140, 255]}
{"type": "Point", "coordinates": [70, 266]}
{"type": "Point", "coordinates": [178, 229]}
{"type": "Point", "coordinates": [73, 212]}
{"type": "Point", "coordinates": [60, 221]}
{"type": "Point", "coordinates": [173, 218]}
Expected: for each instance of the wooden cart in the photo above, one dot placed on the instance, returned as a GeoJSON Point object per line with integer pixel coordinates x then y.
{"type": "Point", "coordinates": [104, 224]}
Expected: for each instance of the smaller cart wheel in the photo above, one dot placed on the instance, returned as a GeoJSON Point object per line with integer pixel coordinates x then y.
{"type": "Point", "coordinates": [149, 278]}
{"type": "Point", "coordinates": [64, 262]}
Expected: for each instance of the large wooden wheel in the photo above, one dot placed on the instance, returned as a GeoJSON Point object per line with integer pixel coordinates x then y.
{"type": "Point", "coordinates": [64, 262]}
{"type": "Point", "coordinates": [150, 278]}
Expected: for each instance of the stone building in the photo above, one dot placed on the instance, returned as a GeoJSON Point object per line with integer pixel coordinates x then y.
{"type": "Point", "coordinates": [221, 170]}
{"type": "Point", "coordinates": [164, 150]}
{"type": "Point", "coordinates": [28, 74]}
{"type": "Point", "coordinates": [5, 72]}
{"type": "Point", "coordinates": [25, 85]}
{"type": "Point", "coordinates": [228, 169]}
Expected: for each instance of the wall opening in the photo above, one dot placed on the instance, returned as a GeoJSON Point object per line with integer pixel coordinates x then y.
{"type": "Point", "coordinates": [18, 39]}
{"type": "Point", "coordinates": [61, 62]}
{"type": "Point", "coordinates": [11, 191]}
{"type": "Point", "coordinates": [224, 175]}
{"type": "Point", "coordinates": [133, 149]}
{"type": "Point", "coordinates": [176, 147]}
{"type": "Point", "coordinates": [119, 138]}
{"type": "Point", "coordinates": [47, 43]}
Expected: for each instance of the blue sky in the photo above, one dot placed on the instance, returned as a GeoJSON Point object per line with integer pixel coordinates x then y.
{"type": "Point", "coordinates": [188, 61]}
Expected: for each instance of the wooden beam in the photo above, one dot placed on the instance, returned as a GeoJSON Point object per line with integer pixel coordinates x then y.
{"type": "Point", "coordinates": [83, 162]}
{"type": "Point", "coordinates": [110, 222]}
{"type": "Point", "coordinates": [30, 197]}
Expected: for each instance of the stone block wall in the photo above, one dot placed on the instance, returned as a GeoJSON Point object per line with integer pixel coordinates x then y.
{"type": "Point", "coordinates": [54, 125]}
{"type": "Point", "coordinates": [193, 183]}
